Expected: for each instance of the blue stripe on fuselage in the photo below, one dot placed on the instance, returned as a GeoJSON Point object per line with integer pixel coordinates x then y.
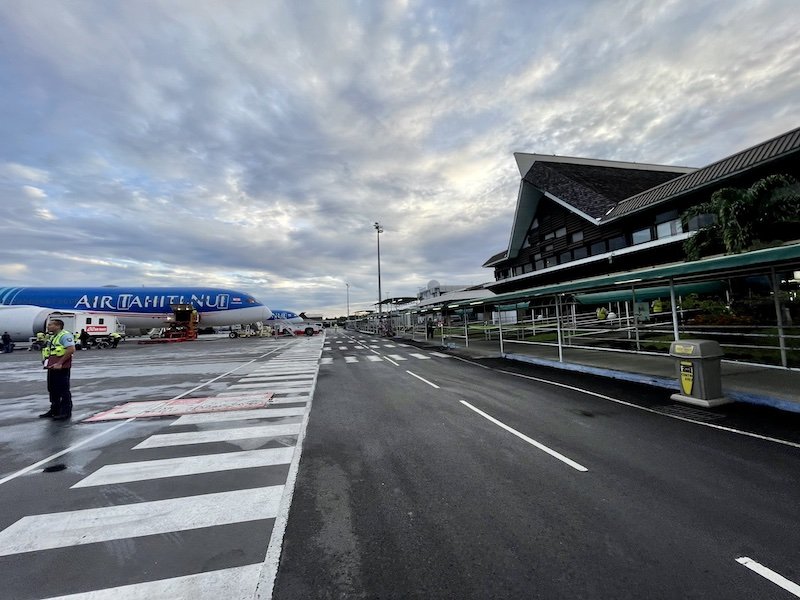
{"type": "Point", "coordinates": [123, 300]}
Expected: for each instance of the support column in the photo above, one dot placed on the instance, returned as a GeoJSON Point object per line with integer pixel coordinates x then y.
{"type": "Point", "coordinates": [776, 288]}
{"type": "Point", "coordinates": [558, 330]}
{"type": "Point", "coordinates": [500, 325]}
{"type": "Point", "coordinates": [674, 306]}
{"type": "Point", "coordinates": [635, 318]}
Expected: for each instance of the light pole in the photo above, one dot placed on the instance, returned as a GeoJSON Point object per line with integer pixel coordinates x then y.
{"type": "Point", "coordinates": [379, 230]}
{"type": "Point", "coordinates": [348, 304]}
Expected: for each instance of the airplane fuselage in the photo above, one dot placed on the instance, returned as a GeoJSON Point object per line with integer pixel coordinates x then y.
{"type": "Point", "coordinates": [143, 307]}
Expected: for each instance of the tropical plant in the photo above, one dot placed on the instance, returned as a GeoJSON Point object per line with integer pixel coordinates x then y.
{"type": "Point", "coordinates": [767, 210]}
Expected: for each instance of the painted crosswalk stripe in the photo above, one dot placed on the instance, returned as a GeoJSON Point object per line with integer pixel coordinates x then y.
{"type": "Point", "coordinates": [396, 357]}
{"type": "Point", "coordinates": [287, 377]}
{"type": "Point", "coordinates": [389, 346]}
{"type": "Point", "coordinates": [191, 465]}
{"type": "Point", "coordinates": [162, 440]}
{"type": "Point", "coordinates": [351, 359]}
{"type": "Point", "coordinates": [290, 400]}
{"type": "Point", "coordinates": [268, 384]}
{"type": "Point", "coordinates": [404, 345]}
{"type": "Point", "coordinates": [280, 380]}
{"type": "Point", "coordinates": [237, 583]}
{"type": "Point", "coordinates": [375, 346]}
{"type": "Point", "coordinates": [88, 526]}
{"type": "Point", "coordinates": [420, 356]}
{"type": "Point", "coordinates": [274, 390]}
{"type": "Point", "coordinates": [440, 355]}
{"type": "Point", "coordinates": [326, 361]}
{"type": "Point", "coordinates": [373, 358]}
{"type": "Point", "coordinates": [342, 347]}
{"type": "Point", "coordinates": [238, 415]}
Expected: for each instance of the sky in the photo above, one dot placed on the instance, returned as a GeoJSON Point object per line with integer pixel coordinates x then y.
{"type": "Point", "coordinates": [252, 145]}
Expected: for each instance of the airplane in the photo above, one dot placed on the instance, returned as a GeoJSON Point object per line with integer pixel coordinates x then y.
{"type": "Point", "coordinates": [24, 310]}
{"type": "Point", "coordinates": [279, 314]}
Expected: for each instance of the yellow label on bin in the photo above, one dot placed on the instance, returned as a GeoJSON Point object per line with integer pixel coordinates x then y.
{"type": "Point", "coordinates": [687, 349]}
{"type": "Point", "coordinates": [687, 377]}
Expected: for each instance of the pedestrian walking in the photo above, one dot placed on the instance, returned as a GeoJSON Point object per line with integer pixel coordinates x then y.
{"type": "Point", "coordinates": [57, 360]}
{"type": "Point", "coordinates": [7, 344]}
{"type": "Point", "coordinates": [84, 338]}
{"type": "Point", "coordinates": [429, 329]}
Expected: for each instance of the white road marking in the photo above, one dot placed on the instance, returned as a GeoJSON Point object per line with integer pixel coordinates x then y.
{"type": "Point", "coordinates": [423, 379]}
{"type": "Point", "coordinates": [351, 359]}
{"type": "Point", "coordinates": [57, 530]}
{"type": "Point", "coordinates": [644, 408]}
{"type": "Point", "coordinates": [218, 435]}
{"type": "Point", "coordinates": [418, 355]}
{"type": "Point", "coordinates": [375, 346]}
{"type": "Point", "coordinates": [290, 400]}
{"type": "Point", "coordinates": [524, 437]}
{"type": "Point", "coordinates": [389, 346]}
{"type": "Point", "coordinates": [388, 359]}
{"type": "Point", "coordinates": [404, 345]}
{"type": "Point", "coordinates": [238, 415]}
{"type": "Point", "coordinates": [767, 573]}
{"type": "Point", "coordinates": [342, 347]}
{"type": "Point", "coordinates": [397, 357]}
{"type": "Point", "coordinates": [268, 385]}
{"type": "Point", "coordinates": [191, 465]}
{"type": "Point", "coordinates": [44, 461]}
{"type": "Point", "coordinates": [326, 361]}
{"type": "Point", "coordinates": [238, 583]}
{"type": "Point", "coordinates": [373, 358]}
{"type": "Point", "coordinates": [441, 355]}
{"type": "Point", "coordinates": [287, 377]}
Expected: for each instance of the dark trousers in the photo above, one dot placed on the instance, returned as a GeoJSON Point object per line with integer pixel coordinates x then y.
{"type": "Point", "coordinates": [60, 396]}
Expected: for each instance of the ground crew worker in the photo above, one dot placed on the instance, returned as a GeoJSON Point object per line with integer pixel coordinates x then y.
{"type": "Point", "coordinates": [84, 337]}
{"type": "Point", "coordinates": [602, 313]}
{"type": "Point", "coordinates": [7, 347]}
{"type": "Point", "coordinates": [658, 306]}
{"type": "Point", "coordinates": [57, 359]}
{"type": "Point", "coordinates": [115, 338]}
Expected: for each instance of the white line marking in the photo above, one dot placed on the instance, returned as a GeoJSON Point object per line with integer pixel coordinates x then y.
{"type": "Point", "coordinates": [386, 358]}
{"type": "Point", "coordinates": [441, 355]}
{"type": "Point", "coordinates": [644, 408]}
{"type": "Point", "coordinates": [270, 566]}
{"type": "Point", "coordinates": [342, 347]}
{"type": "Point", "coordinates": [767, 573]}
{"type": "Point", "coordinates": [397, 357]}
{"type": "Point", "coordinates": [269, 384]}
{"type": "Point", "coordinates": [423, 379]}
{"type": "Point", "coordinates": [217, 435]}
{"type": "Point", "coordinates": [238, 583]}
{"type": "Point", "coordinates": [531, 441]}
{"type": "Point", "coordinates": [44, 461]}
{"type": "Point", "coordinates": [238, 415]}
{"type": "Point", "coordinates": [372, 358]}
{"type": "Point", "coordinates": [389, 346]}
{"type": "Point", "coordinates": [57, 530]}
{"type": "Point", "coordinates": [418, 355]}
{"type": "Point", "coordinates": [404, 345]}
{"type": "Point", "coordinates": [351, 359]}
{"type": "Point", "coordinates": [290, 400]}
{"type": "Point", "coordinates": [191, 465]}
{"type": "Point", "coordinates": [326, 361]}
{"type": "Point", "coordinates": [282, 377]}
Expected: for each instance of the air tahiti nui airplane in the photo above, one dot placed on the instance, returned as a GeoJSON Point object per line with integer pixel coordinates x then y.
{"type": "Point", "coordinates": [23, 310]}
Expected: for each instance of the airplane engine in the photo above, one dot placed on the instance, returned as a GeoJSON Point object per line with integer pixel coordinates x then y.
{"type": "Point", "coordinates": [22, 322]}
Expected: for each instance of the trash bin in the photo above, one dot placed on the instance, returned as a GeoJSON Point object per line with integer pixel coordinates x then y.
{"type": "Point", "coordinates": [699, 375]}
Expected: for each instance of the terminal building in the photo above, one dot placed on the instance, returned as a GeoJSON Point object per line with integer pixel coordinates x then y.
{"type": "Point", "coordinates": [583, 217]}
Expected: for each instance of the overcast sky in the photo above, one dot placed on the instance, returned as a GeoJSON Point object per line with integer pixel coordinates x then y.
{"type": "Point", "coordinates": [253, 144]}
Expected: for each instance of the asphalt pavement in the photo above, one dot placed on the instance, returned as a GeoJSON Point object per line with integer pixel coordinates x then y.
{"type": "Point", "coordinates": [378, 469]}
{"type": "Point", "coordinates": [438, 478]}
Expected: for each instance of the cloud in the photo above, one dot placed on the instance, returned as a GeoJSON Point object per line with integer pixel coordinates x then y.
{"type": "Point", "coordinates": [253, 146]}
{"type": "Point", "coordinates": [33, 192]}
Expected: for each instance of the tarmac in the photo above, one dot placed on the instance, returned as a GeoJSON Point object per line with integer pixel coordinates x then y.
{"type": "Point", "coordinates": [741, 382]}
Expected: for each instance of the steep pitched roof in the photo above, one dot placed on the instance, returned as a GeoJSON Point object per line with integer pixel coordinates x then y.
{"type": "Point", "coordinates": [778, 147]}
{"type": "Point", "coordinates": [594, 186]}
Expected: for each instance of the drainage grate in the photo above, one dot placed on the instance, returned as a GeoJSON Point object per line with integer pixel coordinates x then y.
{"type": "Point", "coordinates": [687, 412]}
